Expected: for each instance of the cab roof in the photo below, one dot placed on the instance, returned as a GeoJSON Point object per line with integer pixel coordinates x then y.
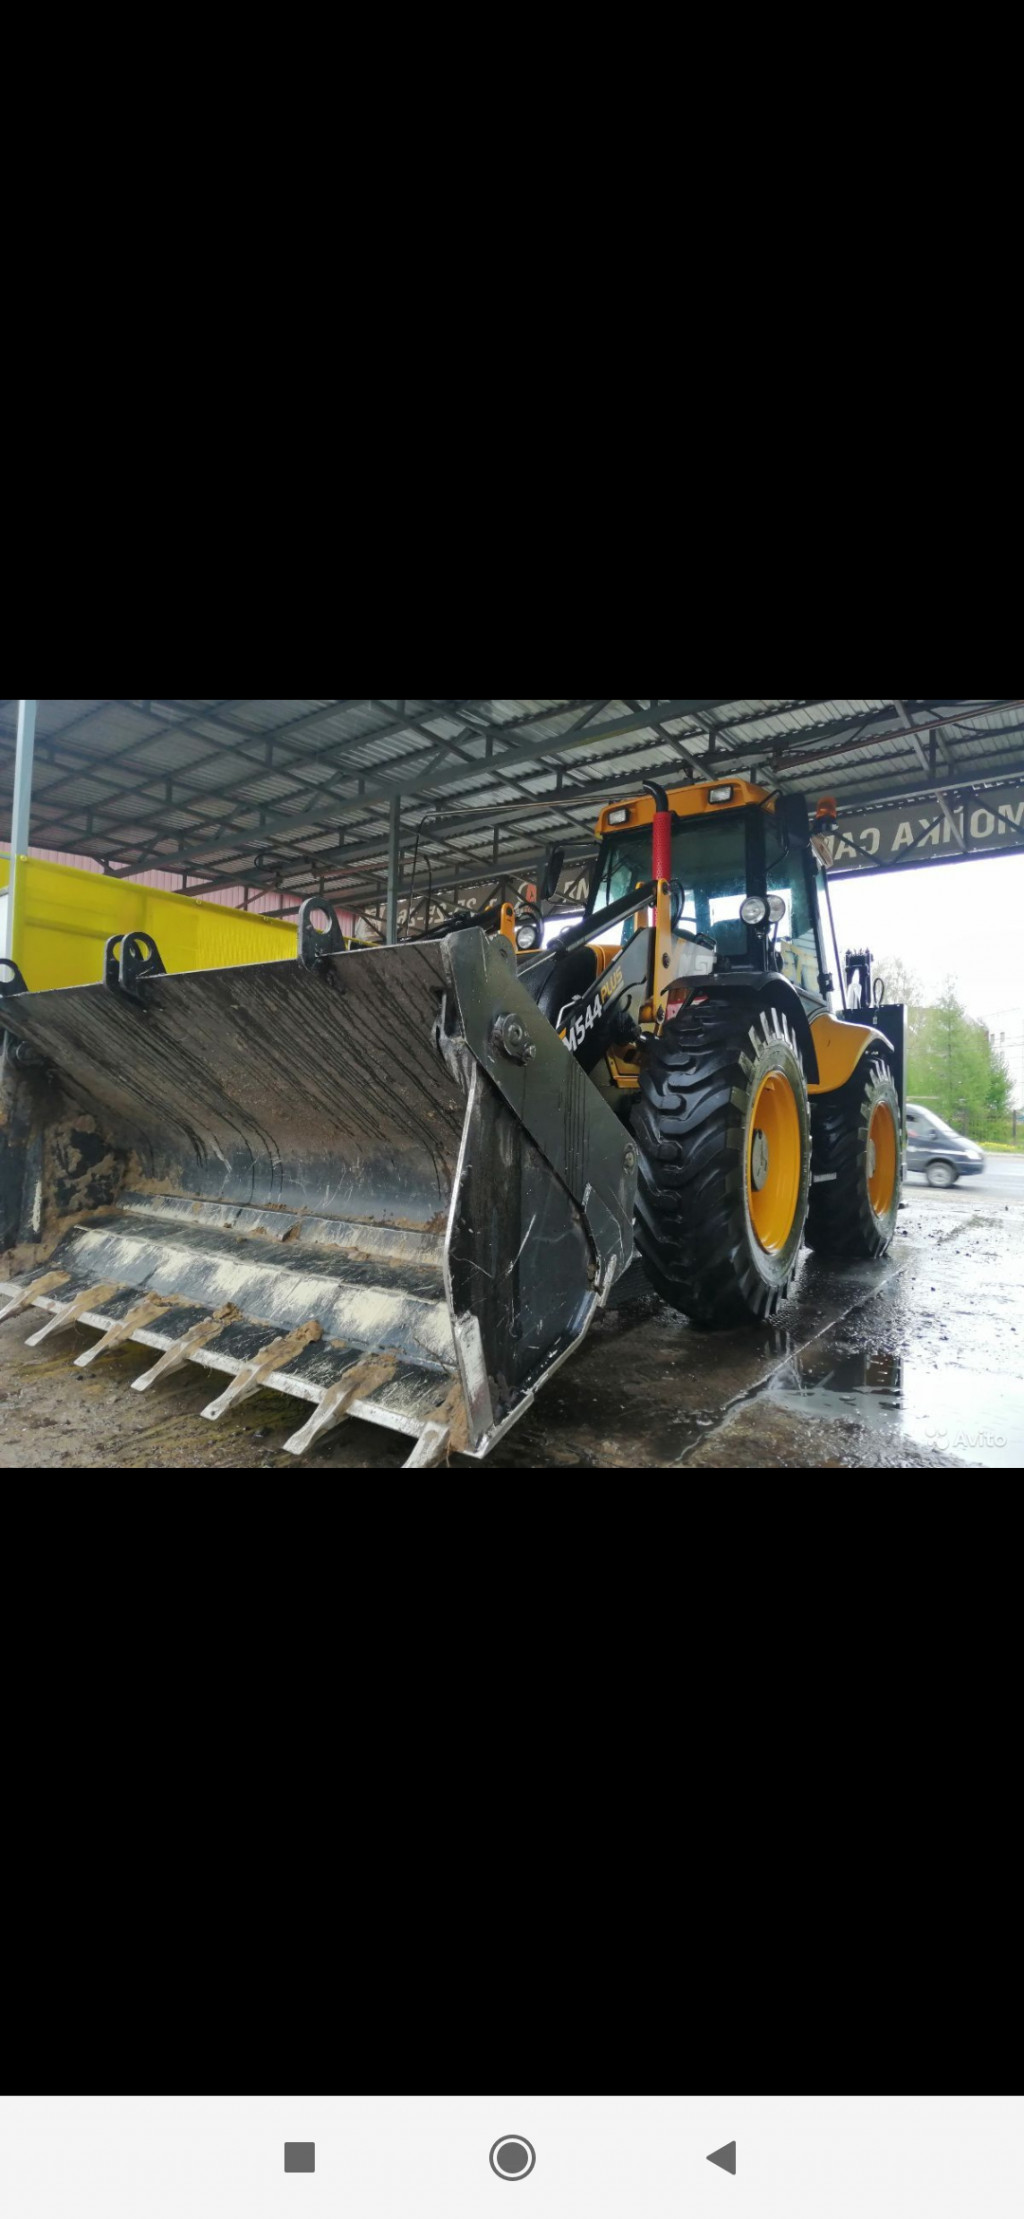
{"type": "Point", "coordinates": [684, 801]}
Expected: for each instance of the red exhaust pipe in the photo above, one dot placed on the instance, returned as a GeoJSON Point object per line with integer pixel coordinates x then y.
{"type": "Point", "coordinates": [661, 832]}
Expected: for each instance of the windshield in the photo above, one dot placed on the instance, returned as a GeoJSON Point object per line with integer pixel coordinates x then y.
{"type": "Point", "coordinates": [709, 857]}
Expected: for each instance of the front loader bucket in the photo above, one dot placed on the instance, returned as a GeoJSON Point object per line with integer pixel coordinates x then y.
{"type": "Point", "coordinates": [374, 1180]}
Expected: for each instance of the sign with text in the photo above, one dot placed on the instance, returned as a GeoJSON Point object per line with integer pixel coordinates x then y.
{"type": "Point", "coordinates": [920, 831]}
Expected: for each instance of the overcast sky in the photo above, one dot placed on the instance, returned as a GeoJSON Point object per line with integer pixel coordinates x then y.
{"type": "Point", "coordinates": [961, 920]}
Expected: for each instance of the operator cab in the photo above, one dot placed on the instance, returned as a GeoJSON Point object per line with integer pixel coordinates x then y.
{"type": "Point", "coordinates": [733, 847]}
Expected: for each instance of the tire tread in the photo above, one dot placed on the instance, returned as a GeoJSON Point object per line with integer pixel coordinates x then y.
{"type": "Point", "coordinates": [840, 1220]}
{"type": "Point", "coordinates": [691, 1226]}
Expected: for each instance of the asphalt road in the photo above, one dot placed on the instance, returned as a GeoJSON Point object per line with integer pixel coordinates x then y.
{"type": "Point", "coordinates": [1001, 1181]}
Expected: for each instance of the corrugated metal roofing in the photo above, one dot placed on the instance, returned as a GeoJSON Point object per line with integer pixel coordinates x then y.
{"type": "Point", "coordinates": [204, 788]}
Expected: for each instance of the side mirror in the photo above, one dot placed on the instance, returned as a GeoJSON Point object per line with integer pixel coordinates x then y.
{"type": "Point", "coordinates": [552, 873]}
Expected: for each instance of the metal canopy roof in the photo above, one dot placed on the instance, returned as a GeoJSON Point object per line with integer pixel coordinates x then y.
{"type": "Point", "coordinates": [298, 794]}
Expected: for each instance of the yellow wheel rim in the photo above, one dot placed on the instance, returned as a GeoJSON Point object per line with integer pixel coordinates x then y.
{"type": "Point", "coordinates": [773, 1162]}
{"type": "Point", "coordinates": [882, 1159]}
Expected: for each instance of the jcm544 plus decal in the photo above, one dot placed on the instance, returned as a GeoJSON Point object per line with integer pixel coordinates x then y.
{"type": "Point", "coordinates": [581, 1025]}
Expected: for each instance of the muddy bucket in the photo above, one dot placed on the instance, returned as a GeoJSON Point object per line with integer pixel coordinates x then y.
{"type": "Point", "coordinates": [375, 1181]}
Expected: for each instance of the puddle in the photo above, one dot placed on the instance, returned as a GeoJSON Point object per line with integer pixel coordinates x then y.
{"type": "Point", "coordinates": [978, 1416]}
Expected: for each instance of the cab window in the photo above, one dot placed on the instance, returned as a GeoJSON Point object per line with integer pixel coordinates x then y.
{"type": "Point", "coordinates": [796, 946]}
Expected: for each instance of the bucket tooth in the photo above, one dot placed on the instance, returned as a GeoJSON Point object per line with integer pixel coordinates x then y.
{"type": "Point", "coordinates": [142, 1313]}
{"type": "Point", "coordinates": [252, 1375]}
{"type": "Point", "coordinates": [87, 1298]}
{"type": "Point", "coordinates": [432, 1446]}
{"type": "Point", "coordinates": [24, 1296]}
{"type": "Point", "coordinates": [362, 1379]}
{"type": "Point", "coordinates": [180, 1351]}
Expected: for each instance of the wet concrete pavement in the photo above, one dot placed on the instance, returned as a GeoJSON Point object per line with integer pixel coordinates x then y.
{"type": "Point", "coordinates": [913, 1363]}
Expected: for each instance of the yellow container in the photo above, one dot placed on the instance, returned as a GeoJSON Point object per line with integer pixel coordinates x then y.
{"type": "Point", "coordinates": [63, 919]}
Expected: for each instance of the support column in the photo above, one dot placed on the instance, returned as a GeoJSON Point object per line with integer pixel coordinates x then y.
{"type": "Point", "coordinates": [20, 812]}
{"type": "Point", "coordinates": [394, 828]}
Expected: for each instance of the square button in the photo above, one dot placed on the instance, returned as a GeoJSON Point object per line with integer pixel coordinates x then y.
{"type": "Point", "coordinates": [299, 2156]}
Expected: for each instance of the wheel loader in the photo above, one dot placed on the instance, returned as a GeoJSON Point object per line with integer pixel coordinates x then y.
{"type": "Point", "coordinates": [399, 1183]}
{"type": "Point", "coordinates": [761, 1120]}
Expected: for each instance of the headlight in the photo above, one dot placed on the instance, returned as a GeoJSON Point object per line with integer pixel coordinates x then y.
{"type": "Point", "coordinates": [754, 909]}
{"type": "Point", "coordinates": [527, 936]}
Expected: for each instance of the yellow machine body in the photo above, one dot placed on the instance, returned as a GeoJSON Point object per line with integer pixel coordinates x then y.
{"type": "Point", "coordinates": [63, 919]}
{"type": "Point", "coordinates": [839, 1048]}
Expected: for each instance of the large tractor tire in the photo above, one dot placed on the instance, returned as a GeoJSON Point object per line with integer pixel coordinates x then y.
{"type": "Point", "coordinates": [858, 1164]}
{"type": "Point", "coordinates": [723, 1129]}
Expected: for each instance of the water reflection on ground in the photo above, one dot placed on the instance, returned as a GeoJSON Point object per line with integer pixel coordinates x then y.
{"type": "Point", "coordinates": [975, 1415]}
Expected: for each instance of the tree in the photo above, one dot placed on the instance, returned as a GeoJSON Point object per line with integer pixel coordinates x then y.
{"type": "Point", "coordinates": [901, 984]}
{"type": "Point", "coordinates": [953, 1067]}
